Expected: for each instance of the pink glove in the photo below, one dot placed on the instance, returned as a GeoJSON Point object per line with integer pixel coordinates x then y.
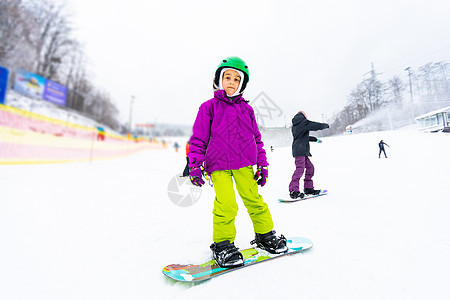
{"type": "Point", "coordinates": [261, 175]}
{"type": "Point", "coordinates": [195, 175]}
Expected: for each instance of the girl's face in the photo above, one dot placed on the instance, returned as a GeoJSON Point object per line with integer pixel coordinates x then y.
{"type": "Point", "coordinates": [230, 81]}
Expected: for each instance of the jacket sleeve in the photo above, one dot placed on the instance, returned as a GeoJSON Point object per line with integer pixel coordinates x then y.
{"type": "Point", "coordinates": [313, 126]}
{"type": "Point", "coordinates": [261, 159]}
{"type": "Point", "coordinates": [200, 136]}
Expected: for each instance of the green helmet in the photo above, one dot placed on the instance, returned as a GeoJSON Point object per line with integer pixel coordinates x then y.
{"type": "Point", "coordinates": [233, 62]}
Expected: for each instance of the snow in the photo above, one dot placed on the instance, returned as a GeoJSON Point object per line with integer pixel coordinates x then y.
{"type": "Point", "coordinates": [105, 230]}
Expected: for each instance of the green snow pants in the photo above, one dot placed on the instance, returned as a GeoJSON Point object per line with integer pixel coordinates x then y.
{"type": "Point", "coordinates": [225, 206]}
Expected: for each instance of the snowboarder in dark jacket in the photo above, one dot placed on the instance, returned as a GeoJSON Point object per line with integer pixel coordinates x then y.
{"type": "Point", "coordinates": [381, 146]}
{"type": "Point", "coordinates": [300, 150]}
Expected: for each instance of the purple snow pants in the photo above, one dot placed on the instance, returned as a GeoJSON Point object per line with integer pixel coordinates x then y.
{"type": "Point", "coordinates": [302, 163]}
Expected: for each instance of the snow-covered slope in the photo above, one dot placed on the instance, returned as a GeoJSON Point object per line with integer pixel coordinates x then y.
{"type": "Point", "coordinates": [47, 109]}
{"type": "Point", "coordinates": [105, 230]}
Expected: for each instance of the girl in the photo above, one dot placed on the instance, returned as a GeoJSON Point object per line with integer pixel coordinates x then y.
{"type": "Point", "coordinates": [225, 144]}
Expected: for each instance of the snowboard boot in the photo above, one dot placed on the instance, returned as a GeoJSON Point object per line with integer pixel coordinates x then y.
{"type": "Point", "coordinates": [295, 195]}
{"type": "Point", "coordinates": [311, 191]}
{"type": "Point", "coordinates": [270, 242]}
{"type": "Point", "coordinates": [227, 255]}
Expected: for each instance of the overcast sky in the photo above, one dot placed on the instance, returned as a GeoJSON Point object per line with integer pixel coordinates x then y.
{"type": "Point", "coordinates": [304, 55]}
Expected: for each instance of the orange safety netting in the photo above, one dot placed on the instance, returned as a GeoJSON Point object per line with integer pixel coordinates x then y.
{"type": "Point", "coordinates": [27, 137]}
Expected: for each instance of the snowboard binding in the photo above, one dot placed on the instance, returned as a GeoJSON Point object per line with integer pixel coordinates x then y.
{"type": "Point", "coordinates": [296, 195]}
{"type": "Point", "coordinates": [311, 191]}
{"type": "Point", "coordinates": [227, 255]}
{"type": "Point", "coordinates": [270, 242]}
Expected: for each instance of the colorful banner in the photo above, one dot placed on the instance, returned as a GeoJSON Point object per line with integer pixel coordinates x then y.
{"type": "Point", "coordinates": [4, 75]}
{"type": "Point", "coordinates": [29, 84]}
{"type": "Point", "coordinates": [55, 93]}
{"type": "Point", "coordinates": [36, 86]}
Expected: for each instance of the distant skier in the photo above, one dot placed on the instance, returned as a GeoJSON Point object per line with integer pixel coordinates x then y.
{"type": "Point", "coordinates": [176, 146]}
{"type": "Point", "coordinates": [381, 146]}
{"type": "Point", "coordinates": [100, 133]}
{"type": "Point", "coordinates": [300, 150]}
{"type": "Point", "coordinates": [186, 168]}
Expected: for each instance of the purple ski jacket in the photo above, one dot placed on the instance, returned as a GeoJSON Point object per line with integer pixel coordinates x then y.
{"type": "Point", "coordinates": [225, 135]}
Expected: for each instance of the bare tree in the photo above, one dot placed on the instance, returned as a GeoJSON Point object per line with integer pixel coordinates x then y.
{"type": "Point", "coordinates": [441, 80]}
{"type": "Point", "coordinates": [425, 78]}
{"type": "Point", "coordinates": [16, 28]}
{"type": "Point", "coordinates": [433, 84]}
{"type": "Point", "coordinates": [374, 89]}
{"type": "Point", "coordinates": [106, 112]}
{"type": "Point", "coordinates": [36, 35]}
{"type": "Point", "coordinates": [9, 17]}
{"type": "Point", "coordinates": [359, 101]}
{"type": "Point", "coordinates": [396, 88]}
{"type": "Point", "coordinates": [53, 42]}
{"type": "Point", "coordinates": [76, 76]}
{"type": "Point", "coordinates": [81, 94]}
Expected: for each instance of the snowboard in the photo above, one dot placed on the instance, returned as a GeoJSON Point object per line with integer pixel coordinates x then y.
{"type": "Point", "coordinates": [289, 199]}
{"type": "Point", "coordinates": [210, 269]}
